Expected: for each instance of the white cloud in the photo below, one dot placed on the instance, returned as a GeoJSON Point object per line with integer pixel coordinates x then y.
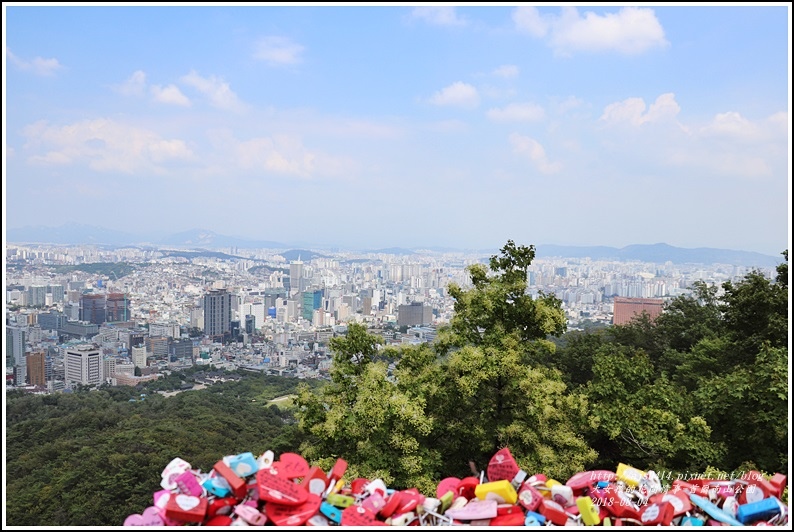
{"type": "Point", "coordinates": [529, 19]}
{"type": "Point", "coordinates": [629, 31]}
{"type": "Point", "coordinates": [571, 102]}
{"type": "Point", "coordinates": [282, 154]}
{"type": "Point", "coordinates": [278, 51]}
{"type": "Point", "coordinates": [458, 94]}
{"type": "Point", "coordinates": [104, 145]}
{"type": "Point", "coordinates": [731, 124]}
{"type": "Point", "coordinates": [530, 148]}
{"type": "Point", "coordinates": [439, 16]}
{"type": "Point", "coordinates": [38, 65]}
{"type": "Point", "coordinates": [632, 110]}
{"type": "Point", "coordinates": [170, 95]}
{"type": "Point", "coordinates": [214, 88]}
{"type": "Point", "coordinates": [135, 85]}
{"type": "Point", "coordinates": [506, 71]}
{"type": "Point", "coordinates": [517, 112]}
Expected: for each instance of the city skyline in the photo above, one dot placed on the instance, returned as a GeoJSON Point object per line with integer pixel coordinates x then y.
{"type": "Point", "coordinates": [403, 126]}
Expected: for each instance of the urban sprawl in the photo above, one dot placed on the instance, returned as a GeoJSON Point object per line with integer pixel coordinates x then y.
{"type": "Point", "coordinates": [144, 312]}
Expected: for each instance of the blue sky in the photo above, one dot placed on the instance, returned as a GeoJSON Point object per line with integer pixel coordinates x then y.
{"type": "Point", "coordinates": [397, 125]}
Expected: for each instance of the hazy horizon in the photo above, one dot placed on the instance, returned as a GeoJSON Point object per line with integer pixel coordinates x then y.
{"type": "Point", "coordinates": [399, 126]}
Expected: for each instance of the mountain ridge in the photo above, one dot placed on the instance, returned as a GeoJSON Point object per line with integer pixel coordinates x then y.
{"type": "Point", "coordinates": [76, 234]}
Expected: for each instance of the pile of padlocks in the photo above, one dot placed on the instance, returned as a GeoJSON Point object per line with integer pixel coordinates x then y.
{"type": "Point", "coordinates": [246, 491]}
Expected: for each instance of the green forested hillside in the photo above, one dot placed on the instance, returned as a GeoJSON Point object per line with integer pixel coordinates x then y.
{"type": "Point", "coordinates": [92, 458]}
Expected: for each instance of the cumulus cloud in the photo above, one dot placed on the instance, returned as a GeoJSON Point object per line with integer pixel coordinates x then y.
{"type": "Point", "coordinates": [37, 65]}
{"type": "Point", "coordinates": [169, 95]}
{"type": "Point", "coordinates": [104, 145]}
{"type": "Point", "coordinates": [278, 51]}
{"type": "Point", "coordinates": [731, 124]}
{"type": "Point", "coordinates": [215, 89]}
{"type": "Point", "coordinates": [517, 112]}
{"type": "Point", "coordinates": [506, 71]}
{"type": "Point", "coordinates": [458, 94]}
{"type": "Point", "coordinates": [629, 31]}
{"type": "Point", "coordinates": [532, 149]}
{"type": "Point", "coordinates": [135, 85]}
{"type": "Point", "coordinates": [439, 16]}
{"type": "Point", "coordinates": [632, 110]}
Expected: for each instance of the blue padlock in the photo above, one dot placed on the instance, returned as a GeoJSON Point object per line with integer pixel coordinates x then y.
{"type": "Point", "coordinates": [217, 486]}
{"type": "Point", "coordinates": [331, 512]}
{"type": "Point", "coordinates": [713, 510]}
{"type": "Point", "coordinates": [762, 510]}
{"type": "Point", "coordinates": [534, 519]}
{"type": "Point", "coordinates": [243, 465]}
{"type": "Point", "coordinates": [691, 521]}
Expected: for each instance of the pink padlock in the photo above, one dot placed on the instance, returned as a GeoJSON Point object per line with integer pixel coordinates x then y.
{"type": "Point", "coordinates": [250, 515]}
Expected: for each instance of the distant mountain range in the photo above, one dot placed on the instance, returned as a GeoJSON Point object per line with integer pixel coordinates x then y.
{"type": "Point", "coordinates": [203, 239]}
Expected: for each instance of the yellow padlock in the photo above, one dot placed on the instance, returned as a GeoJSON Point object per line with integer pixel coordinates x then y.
{"type": "Point", "coordinates": [501, 491]}
{"type": "Point", "coordinates": [588, 510]}
{"type": "Point", "coordinates": [550, 483]}
{"type": "Point", "coordinates": [630, 475]}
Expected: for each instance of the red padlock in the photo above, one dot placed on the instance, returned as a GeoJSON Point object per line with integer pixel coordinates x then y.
{"type": "Point", "coordinates": [657, 514]}
{"type": "Point", "coordinates": [502, 466]}
{"type": "Point", "coordinates": [529, 497]}
{"type": "Point", "coordinates": [237, 484]}
{"type": "Point", "coordinates": [757, 488]}
{"type": "Point", "coordinates": [467, 486]}
{"type": "Point", "coordinates": [778, 482]}
{"type": "Point", "coordinates": [315, 481]}
{"type": "Point", "coordinates": [553, 512]}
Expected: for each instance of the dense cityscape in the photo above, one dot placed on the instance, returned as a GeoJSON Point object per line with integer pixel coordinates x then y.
{"type": "Point", "coordinates": [89, 315]}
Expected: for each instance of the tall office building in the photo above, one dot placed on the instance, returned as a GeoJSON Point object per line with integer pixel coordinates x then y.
{"type": "Point", "coordinates": [83, 365]}
{"type": "Point", "coordinates": [414, 314]}
{"type": "Point", "coordinates": [36, 366]}
{"type": "Point", "coordinates": [117, 308]}
{"type": "Point", "coordinates": [627, 308]}
{"type": "Point", "coordinates": [37, 295]}
{"type": "Point", "coordinates": [296, 284]}
{"type": "Point", "coordinates": [312, 300]}
{"type": "Point", "coordinates": [57, 292]}
{"type": "Point", "coordinates": [16, 337]}
{"type": "Point", "coordinates": [138, 355]}
{"type": "Point", "coordinates": [217, 313]}
{"type": "Point", "coordinates": [93, 308]}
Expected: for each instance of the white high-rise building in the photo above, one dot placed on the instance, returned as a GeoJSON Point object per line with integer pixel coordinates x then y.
{"type": "Point", "coordinates": [138, 356]}
{"type": "Point", "coordinates": [83, 364]}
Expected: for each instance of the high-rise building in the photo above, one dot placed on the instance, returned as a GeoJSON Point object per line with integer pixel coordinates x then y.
{"type": "Point", "coordinates": [180, 349]}
{"type": "Point", "coordinates": [138, 355]}
{"type": "Point", "coordinates": [296, 284]}
{"type": "Point", "coordinates": [414, 314]}
{"type": "Point", "coordinates": [312, 300]}
{"type": "Point", "coordinates": [93, 308]}
{"type": "Point", "coordinates": [37, 295]}
{"type": "Point", "coordinates": [627, 308]}
{"type": "Point", "coordinates": [16, 338]}
{"type": "Point", "coordinates": [36, 366]}
{"type": "Point", "coordinates": [117, 306]}
{"type": "Point", "coordinates": [217, 313]}
{"type": "Point", "coordinates": [250, 324]}
{"type": "Point", "coordinates": [83, 364]}
{"type": "Point", "coordinates": [51, 321]}
{"type": "Point", "coordinates": [57, 292]}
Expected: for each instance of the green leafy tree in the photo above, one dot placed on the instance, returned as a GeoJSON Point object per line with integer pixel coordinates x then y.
{"type": "Point", "coordinates": [499, 305]}
{"type": "Point", "coordinates": [380, 429]}
{"type": "Point", "coordinates": [645, 419]}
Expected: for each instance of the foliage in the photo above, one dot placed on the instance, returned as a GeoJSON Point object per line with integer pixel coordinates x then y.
{"type": "Point", "coordinates": [92, 458]}
{"type": "Point", "coordinates": [462, 400]}
{"type": "Point", "coordinates": [106, 269]}
{"type": "Point", "coordinates": [706, 382]}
